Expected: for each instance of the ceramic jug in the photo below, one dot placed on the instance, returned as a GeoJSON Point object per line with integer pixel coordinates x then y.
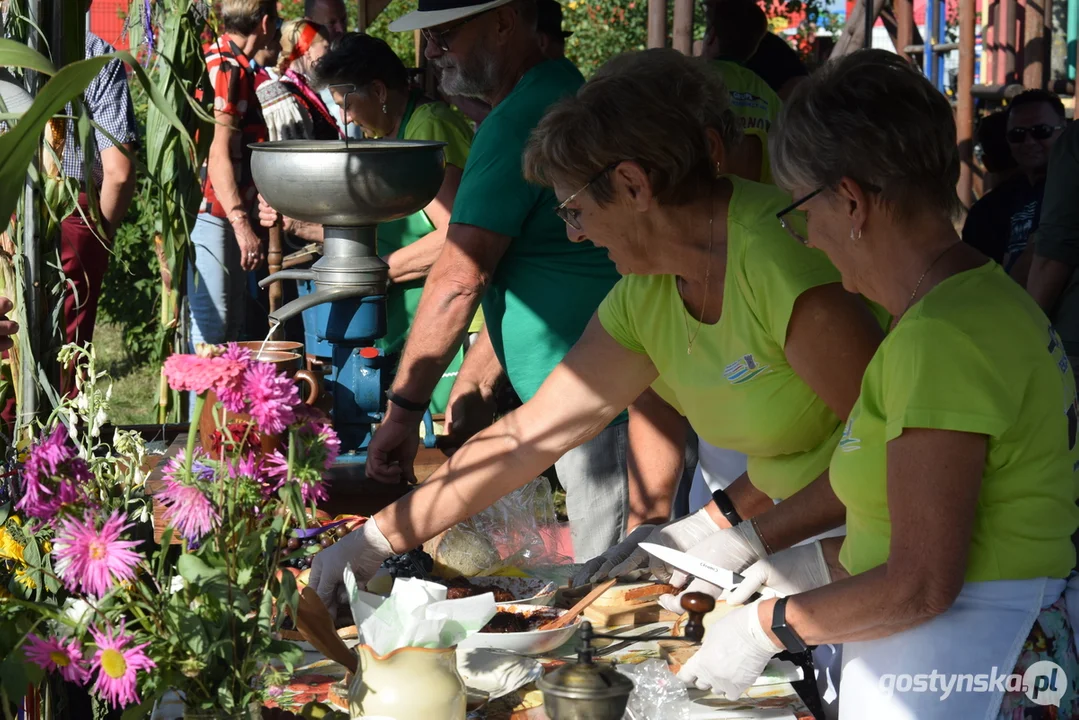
{"type": "Point", "coordinates": [408, 684]}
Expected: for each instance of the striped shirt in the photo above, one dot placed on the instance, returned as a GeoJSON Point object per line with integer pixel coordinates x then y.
{"type": "Point", "coordinates": [108, 104]}
{"type": "Point", "coordinates": [234, 79]}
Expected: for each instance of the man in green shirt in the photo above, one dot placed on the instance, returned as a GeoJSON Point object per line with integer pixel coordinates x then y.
{"type": "Point", "coordinates": [506, 246]}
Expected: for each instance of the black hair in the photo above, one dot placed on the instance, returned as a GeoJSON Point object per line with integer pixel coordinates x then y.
{"type": "Point", "coordinates": [359, 59]}
{"type": "Point", "coordinates": [1031, 97]}
{"type": "Point", "coordinates": [738, 25]}
{"type": "Point", "coordinates": [991, 137]}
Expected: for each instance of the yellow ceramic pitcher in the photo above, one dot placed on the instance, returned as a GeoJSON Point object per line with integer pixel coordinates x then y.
{"type": "Point", "coordinates": [408, 684]}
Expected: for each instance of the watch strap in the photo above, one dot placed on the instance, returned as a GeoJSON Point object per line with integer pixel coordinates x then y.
{"type": "Point", "coordinates": [405, 403]}
{"type": "Point", "coordinates": [786, 634]}
{"type": "Point", "coordinates": [726, 507]}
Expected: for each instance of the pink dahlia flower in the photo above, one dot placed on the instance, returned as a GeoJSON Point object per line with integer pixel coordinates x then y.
{"type": "Point", "coordinates": [117, 666]}
{"type": "Point", "coordinates": [54, 654]}
{"type": "Point", "coordinates": [94, 559]}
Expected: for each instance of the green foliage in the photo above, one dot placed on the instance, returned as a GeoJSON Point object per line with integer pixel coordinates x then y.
{"type": "Point", "coordinates": [130, 294]}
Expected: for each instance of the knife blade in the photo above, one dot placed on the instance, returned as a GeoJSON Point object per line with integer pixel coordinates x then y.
{"type": "Point", "coordinates": [721, 577]}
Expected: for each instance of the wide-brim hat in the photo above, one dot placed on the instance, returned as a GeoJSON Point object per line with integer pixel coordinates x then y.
{"type": "Point", "coordinates": [437, 12]}
{"type": "Point", "coordinates": [549, 18]}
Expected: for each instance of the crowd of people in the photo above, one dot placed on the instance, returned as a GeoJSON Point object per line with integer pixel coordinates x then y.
{"type": "Point", "coordinates": [734, 304]}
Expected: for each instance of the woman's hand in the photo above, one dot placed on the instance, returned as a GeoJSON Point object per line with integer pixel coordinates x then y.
{"type": "Point", "coordinates": [7, 327]}
{"type": "Point", "coordinates": [734, 653]}
{"type": "Point", "coordinates": [600, 567]}
{"type": "Point", "coordinates": [251, 251]}
{"type": "Point", "coordinates": [732, 549]}
{"type": "Point", "coordinates": [789, 572]}
{"type": "Point", "coordinates": [362, 550]}
{"type": "Point", "coordinates": [268, 217]}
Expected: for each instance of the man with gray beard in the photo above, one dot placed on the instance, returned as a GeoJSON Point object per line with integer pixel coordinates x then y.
{"type": "Point", "coordinates": [507, 247]}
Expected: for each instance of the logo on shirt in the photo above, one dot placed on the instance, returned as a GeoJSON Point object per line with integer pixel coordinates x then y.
{"type": "Point", "coordinates": [744, 370]}
{"type": "Point", "coordinates": [849, 443]}
{"type": "Point", "coordinates": [748, 100]}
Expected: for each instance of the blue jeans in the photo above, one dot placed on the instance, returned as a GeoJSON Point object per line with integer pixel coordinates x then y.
{"type": "Point", "coordinates": [597, 491]}
{"type": "Point", "coordinates": [215, 283]}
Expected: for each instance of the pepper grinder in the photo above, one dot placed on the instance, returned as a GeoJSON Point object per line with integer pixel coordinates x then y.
{"type": "Point", "coordinates": [587, 691]}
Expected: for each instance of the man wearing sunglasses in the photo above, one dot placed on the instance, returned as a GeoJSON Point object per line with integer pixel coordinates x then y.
{"type": "Point", "coordinates": [1000, 223]}
{"type": "Point", "coordinates": [506, 246]}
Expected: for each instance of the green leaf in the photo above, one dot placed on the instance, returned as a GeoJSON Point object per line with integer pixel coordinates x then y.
{"type": "Point", "coordinates": [195, 571]}
{"type": "Point", "coordinates": [139, 711]}
{"type": "Point", "coordinates": [287, 652]}
{"type": "Point", "coordinates": [288, 595]}
{"type": "Point", "coordinates": [5, 512]}
{"type": "Point", "coordinates": [194, 634]}
{"type": "Point", "coordinates": [16, 673]}
{"type": "Point", "coordinates": [16, 54]}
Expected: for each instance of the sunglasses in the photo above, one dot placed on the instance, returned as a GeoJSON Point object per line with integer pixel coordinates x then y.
{"type": "Point", "coordinates": [571, 215]}
{"type": "Point", "coordinates": [781, 216]}
{"type": "Point", "coordinates": [442, 38]}
{"type": "Point", "coordinates": [1039, 132]}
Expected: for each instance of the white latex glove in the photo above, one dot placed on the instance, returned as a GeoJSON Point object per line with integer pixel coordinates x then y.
{"type": "Point", "coordinates": [732, 549]}
{"type": "Point", "coordinates": [734, 653]}
{"type": "Point", "coordinates": [364, 548]}
{"type": "Point", "coordinates": [680, 535]}
{"type": "Point", "coordinates": [788, 572]}
{"type": "Point", "coordinates": [285, 118]}
{"type": "Point", "coordinates": [599, 567]}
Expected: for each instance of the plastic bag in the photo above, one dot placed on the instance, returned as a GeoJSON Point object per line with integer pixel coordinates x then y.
{"type": "Point", "coordinates": [657, 693]}
{"type": "Point", "coordinates": [520, 530]}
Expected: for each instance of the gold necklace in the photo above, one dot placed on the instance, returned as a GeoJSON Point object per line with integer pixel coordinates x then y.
{"type": "Point", "coordinates": [918, 286]}
{"type": "Point", "coordinates": [707, 277]}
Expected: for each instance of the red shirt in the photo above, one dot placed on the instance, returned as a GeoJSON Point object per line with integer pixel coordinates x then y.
{"type": "Point", "coordinates": [234, 79]}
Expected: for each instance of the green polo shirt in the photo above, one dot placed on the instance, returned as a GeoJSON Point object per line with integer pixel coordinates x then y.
{"type": "Point", "coordinates": [546, 288]}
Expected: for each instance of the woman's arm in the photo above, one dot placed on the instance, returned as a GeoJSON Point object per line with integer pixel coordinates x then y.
{"type": "Point", "coordinates": [414, 261]}
{"type": "Point", "coordinates": [655, 456]}
{"type": "Point", "coordinates": [831, 337]}
{"type": "Point", "coordinates": [599, 376]}
{"type": "Point", "coordinates": [934, 477]}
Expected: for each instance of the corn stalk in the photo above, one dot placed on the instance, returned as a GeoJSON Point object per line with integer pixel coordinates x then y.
{"type": "Point", "coordinates": [178, 69]}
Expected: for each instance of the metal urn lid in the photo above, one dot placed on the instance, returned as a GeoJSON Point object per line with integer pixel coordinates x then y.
{"type": "Point", "coordinates": [585, 691]}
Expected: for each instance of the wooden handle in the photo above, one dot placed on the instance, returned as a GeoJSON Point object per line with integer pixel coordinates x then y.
{"type": "Point", "coordinates": [314, 621]}
{"type": "Point", "coordinates": [573, 612]}
{"type": "Point", "coordinates": [273, 260]}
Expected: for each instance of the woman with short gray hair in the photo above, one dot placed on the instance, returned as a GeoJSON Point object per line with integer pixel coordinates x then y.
{"type": "Point", "coordinates": [957, 466]}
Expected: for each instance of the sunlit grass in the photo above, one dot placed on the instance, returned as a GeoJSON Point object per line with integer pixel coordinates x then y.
{"type": "Point", "coordinates": [134, 384]}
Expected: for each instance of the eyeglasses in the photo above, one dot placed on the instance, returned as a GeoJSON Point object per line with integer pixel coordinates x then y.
{"type": "Point", "coordinates": [781, 216]}
{"type": "Point", "coordinates": [442, 38]}
{"type": "Point", "coordinates": [1039, 132]}
{"type": "Point", "coordinates": [569, 215]}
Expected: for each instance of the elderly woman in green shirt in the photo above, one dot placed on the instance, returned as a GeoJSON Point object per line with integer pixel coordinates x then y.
{"type": "Point", "coordinates": [370, 83]}
{"type": "Point", "coordinates": [751, 333]}
{"type": "Point", "coordinates": [957, 466]}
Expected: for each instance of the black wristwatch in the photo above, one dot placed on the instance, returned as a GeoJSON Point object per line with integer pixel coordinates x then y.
{"type": "Point", "coordinates": [785, 632]}
{"type": "Point", "coordinates": [726, 507]}
{"type": "Point", "coordinates": [405, 403]}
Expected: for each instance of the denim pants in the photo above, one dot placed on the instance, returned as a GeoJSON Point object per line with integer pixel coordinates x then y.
{"type": "Point", "coordinates": [597, 491]}
{"type": "Point", "coordinates": [215, 283]}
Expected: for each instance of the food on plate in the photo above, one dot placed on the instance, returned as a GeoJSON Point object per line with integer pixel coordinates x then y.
{"type": "Point", "coordinates": [461, 588]}
{"type": "Point", "coordinates": [509, 621]}
{"type": "Point", "coordinates": [464, 552]}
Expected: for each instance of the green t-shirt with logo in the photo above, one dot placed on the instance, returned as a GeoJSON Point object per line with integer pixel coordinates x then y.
{"type": "Point", "coordinates": [976, 355]}
{"type": "Point", "coordinates": [736, 387]}
{"type": "Point", "coordinates": [754, 104]}
{"type": "Point", "coordinates": [433, 121]}
{"type": "Point", "coordinates": [545, 288]}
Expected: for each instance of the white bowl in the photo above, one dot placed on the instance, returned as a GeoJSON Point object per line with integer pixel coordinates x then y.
{"type": "Point", "coordinates": [533, 642]}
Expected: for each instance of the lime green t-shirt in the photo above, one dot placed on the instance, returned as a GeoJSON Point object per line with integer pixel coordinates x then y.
{"type": "Point", "coordinates": [546, 288]}
{"type": "Point", "coordinates": [434, 121]}
{"type": "Point", "coordinates": [754, 104]}
{"type": "Point", "coordinates": [977, 355]}
{"type": "Point", "coordinates": [736, 387]}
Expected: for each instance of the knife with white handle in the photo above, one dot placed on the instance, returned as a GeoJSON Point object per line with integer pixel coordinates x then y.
{"type": "Point", "coordinates": [721, 577]}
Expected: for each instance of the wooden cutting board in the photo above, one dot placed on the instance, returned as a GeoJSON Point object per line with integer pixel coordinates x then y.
{"type": "Point", "coordinates": [628, 614]}
{"type": "Point", "coordinates": [632, 593]}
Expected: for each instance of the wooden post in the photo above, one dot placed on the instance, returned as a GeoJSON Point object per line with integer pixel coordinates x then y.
{"type": "Point", "coordinates": [362, 20]}
{"type": "Point", "coordinates": [657, 23]}
{"type": "Point", "coordinates": [683, 26]}
{"type": "Point", "coordinates": [1034, 44]}
{"type": "Point", "coordinates": [1009, 12]}
{"type": "Point", "coordinates": [965, 110]}
{"type": "Point", "coordinates": [853, 36]}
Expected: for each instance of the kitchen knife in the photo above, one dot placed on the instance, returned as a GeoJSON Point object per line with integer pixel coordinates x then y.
{"type": "Point", "coordinates": [721, 577]}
